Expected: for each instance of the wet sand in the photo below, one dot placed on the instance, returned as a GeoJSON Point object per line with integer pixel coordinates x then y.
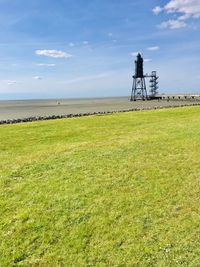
{"type": "Point", "coordinates": [20, 109]}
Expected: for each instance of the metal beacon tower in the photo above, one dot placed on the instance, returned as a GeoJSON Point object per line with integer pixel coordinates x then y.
{"type": "Point", "coordinates": [139, 90]}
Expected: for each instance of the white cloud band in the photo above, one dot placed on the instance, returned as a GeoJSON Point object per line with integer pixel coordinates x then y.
{"type": "Point", "coordinates": [184, 8]}
{"type": "Point", "coordinates": [153, 48]}
{"type": "Point", "coordinates": [52, 53]}
{"type": "Point", "coordinates": [172, 24]}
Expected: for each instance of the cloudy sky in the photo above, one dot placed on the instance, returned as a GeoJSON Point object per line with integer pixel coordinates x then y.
{"type": "Point", "coordinates": [86, 48]}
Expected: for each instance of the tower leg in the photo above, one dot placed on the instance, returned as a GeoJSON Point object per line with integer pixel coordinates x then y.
{"type": "Point", "coordinates": [139, 90]}
{"type": "Point", "coordinates": [145, 97]}
{"type": "Point", "coordinates": [142, 89]}
{"type": "Point", "coordinates": [135, 86]}
{"type": "Point", "coordinates": [133, 90]}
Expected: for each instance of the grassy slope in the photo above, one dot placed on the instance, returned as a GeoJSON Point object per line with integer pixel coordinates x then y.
{"type": "Point", "coordinates": [115, 190]}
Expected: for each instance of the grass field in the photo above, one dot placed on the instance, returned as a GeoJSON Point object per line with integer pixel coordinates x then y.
{"type": "Point", "coordinates": [114, 190]}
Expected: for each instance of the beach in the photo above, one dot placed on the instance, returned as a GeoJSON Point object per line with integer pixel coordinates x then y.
{"type": "Point", "coordinates": [20, 109]}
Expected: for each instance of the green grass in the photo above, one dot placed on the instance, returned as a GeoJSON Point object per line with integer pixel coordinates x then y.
{"type": "Point", "coordinates": [115, 190]}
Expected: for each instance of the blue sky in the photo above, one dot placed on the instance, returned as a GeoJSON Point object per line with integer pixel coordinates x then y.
{"type": "Point", "coordinates": [86, 48]}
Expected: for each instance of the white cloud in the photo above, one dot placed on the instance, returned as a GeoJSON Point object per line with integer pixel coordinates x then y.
{"type": "Point", "coordinates": [147, 60]}
{"type": "Point", "coordinates": [52, 53]}
{"type": "Point", "coordinates": [189, 7]}
{"type": "Point", "coordinates": [110, 34]}
{"type": "Point", "coordinates": [156, 10]}
{"type": "Point", "coordinates": [153, 48]}
{"type": "Point", "coordinates": [71, 44]}
{"type": "Point", "coordinates": [185, 9]}
{"type": "Point", "coordinates": [10, 82]}
{"type": "Point", "coordinates": [85, 42]}
{"type": "Point", "coordinates": [172, 24]}
{"type": "Point", "coordinates": [46, 65]}
{"type": "Point", "coordinates": [37, 78]}
{"type": "Point", "coordinates": [184, 17]}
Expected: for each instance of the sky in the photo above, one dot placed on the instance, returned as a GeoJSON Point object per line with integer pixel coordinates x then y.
{"type": "Point", "coordinates": [87, 48]}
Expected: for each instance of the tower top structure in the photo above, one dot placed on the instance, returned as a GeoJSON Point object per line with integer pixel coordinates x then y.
{"type": "Point", "coordinates": [139, 73]}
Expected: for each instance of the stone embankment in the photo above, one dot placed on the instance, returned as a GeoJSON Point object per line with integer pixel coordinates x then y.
{"type": "Point", "coordinates": [43, 118]}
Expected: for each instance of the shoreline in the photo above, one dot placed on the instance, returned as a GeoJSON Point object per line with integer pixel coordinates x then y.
{"type": "Point", "coordinates": [76, 115]}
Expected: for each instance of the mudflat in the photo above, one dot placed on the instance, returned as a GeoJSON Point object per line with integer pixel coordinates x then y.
{"type": "Point", "coordinates": [19, 109]}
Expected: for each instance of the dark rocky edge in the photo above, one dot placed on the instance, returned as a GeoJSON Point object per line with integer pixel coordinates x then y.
{"type": "Point", "coordinates": [54, 117]}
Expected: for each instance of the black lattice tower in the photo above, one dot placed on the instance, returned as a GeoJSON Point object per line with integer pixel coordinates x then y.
{"type": "Point", "coordinates": [153, 84]}
{"type": "Point", "coordinates": [139, 90]}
